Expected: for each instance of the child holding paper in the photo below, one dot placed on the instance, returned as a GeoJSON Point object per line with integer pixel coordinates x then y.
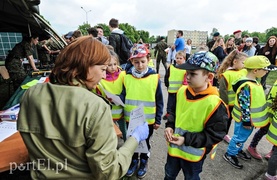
{"type": "Point", "coordinates": [142, 86]}
{"type": "Point", "coordinates": [113, 83]}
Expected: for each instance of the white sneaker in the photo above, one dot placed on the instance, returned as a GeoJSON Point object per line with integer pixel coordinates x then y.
{"type": "Point", "coordinates": [269, 177]}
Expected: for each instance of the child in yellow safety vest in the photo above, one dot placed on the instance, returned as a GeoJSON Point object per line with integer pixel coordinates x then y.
{"type": "Point", "coordinates": [272, 138]}
{"type": "Point", "coordinates": [250, 108]}
{"type": "Point", "coordinates": [142, 86]}
{"type": "Point", "coordinates": [198, 122]}
{"type": "Point", "coordinates": [263, 131]}
{"type": "Point", "coordinates": [113, 83]}
{"type": "Point", "coordinates": [230, 71]}
{"type": "Point", "coordinates": [173, 79]}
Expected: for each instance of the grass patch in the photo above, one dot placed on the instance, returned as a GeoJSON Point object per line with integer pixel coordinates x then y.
{"type": "Point", "coordinates": [271, 78]}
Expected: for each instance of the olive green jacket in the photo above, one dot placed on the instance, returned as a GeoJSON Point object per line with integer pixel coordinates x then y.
{"type": "Point", "coordinates": [69, 134]}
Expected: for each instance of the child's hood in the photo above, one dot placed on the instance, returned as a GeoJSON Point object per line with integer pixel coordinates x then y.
{"type": "Point", "coordinates": [238, 83]}
{"type": "Point", "coordinates": [211, 90]}
{"type": "Point", "coordinates": [150, 71]}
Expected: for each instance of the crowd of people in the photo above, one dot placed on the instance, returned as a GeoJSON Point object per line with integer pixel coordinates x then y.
{"type": "Point", "coordinates": [75, 120]}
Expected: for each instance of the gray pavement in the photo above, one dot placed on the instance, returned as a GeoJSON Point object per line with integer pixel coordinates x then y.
{"type": "Point", "coordinates": [217, 169]}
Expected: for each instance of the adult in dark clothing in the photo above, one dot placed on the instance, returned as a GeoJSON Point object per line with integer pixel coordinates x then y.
{"type": "Point", "coordinates": [256, 44]}
{"type": "Point", "coordinates": [114, 38]}
{"type": "Point", "coordinates": [218, 49]}
{"type": "Point", "coordinates": [211, 43]}
{"type": "Point", "coordinates": [15, 57]}
{"type": "Point", "coordinates": [159, 50]}
{"type": "Point", "coordinates": [238, 38]}
{"type": "Point", "coordinates": [270, 51]}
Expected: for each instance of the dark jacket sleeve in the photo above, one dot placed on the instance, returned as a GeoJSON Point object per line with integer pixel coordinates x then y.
{"type": "Point", "coordinates": [167, 74]}
{"type": "Point", "coordinates": [159, 104]}
{"type": "Point", "coordinates": [214, 131]}
{"type": "Point", "coordinates": [112, 41]}
{"type": "Point", "coordinates": [171, 118]}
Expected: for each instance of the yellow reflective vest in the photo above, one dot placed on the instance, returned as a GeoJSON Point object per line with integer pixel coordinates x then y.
{"type": "Point", "coordinates": [258, 105]}
{"type": "Point", "coordinates": [175, 79]}
{"type": "Point", "coordinates": [232, 76]}
{"type": "Point", "coordinates": [188, 119]}
{"type": "Point", "coordinates": [115, 87]}
{"type": "Point", "coordinates": [141, 91]}
{"type": "Point", "coordinates": [272, 131]}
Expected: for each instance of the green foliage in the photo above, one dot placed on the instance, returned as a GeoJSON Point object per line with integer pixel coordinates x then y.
{"type": "Point", "coordinates": [271, 32]}
{"type": "Point", "coordinates": [83, 28]}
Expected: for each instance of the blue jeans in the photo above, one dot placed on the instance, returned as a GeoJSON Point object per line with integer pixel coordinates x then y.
{"type": "Point", "coordinates": [241, 134]}
{"type": "Point", "coordinates": [191, 170]}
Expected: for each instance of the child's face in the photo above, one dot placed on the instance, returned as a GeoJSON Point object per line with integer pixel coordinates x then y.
{"type": "Point", "coordinates": [112, 67]}
{"type": "Point", "coordinates": [248, 43]}
{"type": "Point", "coordinates": [197, 79]}
{"type": "Point", "coordinates": [260, 72]}
{"type": "Point", "coordinates": [180, 59]}
{"type": "Point", "coordinates": [140, 64]}
{"type": "Point", "coordinates": [239, 63]}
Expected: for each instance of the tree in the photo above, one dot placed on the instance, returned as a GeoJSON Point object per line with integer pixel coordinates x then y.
{"type": "Point", "coordinates": [83, 28]}
{"type": "Point", "coordinates": [271, 32]}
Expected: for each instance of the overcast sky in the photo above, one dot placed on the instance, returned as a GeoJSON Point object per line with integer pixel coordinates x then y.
{"type": "Point", "coordinates": [157, 16]}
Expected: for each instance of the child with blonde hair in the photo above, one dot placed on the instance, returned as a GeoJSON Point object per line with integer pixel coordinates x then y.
{"type": "Point", "coordinates": [113, 83]}
{"type": "Point", "coordinates": [230, 71]}
{"type": "Point", "coordinates": [173, 79]}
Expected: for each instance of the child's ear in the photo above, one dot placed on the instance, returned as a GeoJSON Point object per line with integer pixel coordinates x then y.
{"type": "Point", "coordinates": [210, 76]}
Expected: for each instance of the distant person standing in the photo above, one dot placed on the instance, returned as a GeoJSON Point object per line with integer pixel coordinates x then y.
{"type": "Point", "coordinates": [256, 44]}
{"type": "Point", "coordinates": [211, 43]}
{"type": "Point", "coordinates": [188, 48]}
{"type": "Point", "coordinates": [160, 54]}
{"type": "Point", "coordinates": [238, 38]}
{"type": "Point", "coordinates": [114, 38]}
{"type": "Point", "coordinates": [179, 44]}
{"type": "Point", "coordinates": [269, 51]}
{"type": "Point", "coordinates": [101, 36]}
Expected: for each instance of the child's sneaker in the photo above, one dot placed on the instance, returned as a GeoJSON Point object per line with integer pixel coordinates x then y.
{"type": "Point", "coordinates": [133, 167]}
{"type": "Point", "coordinates": [233, 160]}
{"type": "Point", "coordinates": [269, 177]}
{"type": "Point", "coordinates": [227, 138]}
{"type": "Point", "coordinates": [243, 155]}
{"type": "Point", "coordinates": [268, 155]}
{"type": "Point", "coordinates": [253, 152]}
{"type": "Point", "coordinates": [142, 169]}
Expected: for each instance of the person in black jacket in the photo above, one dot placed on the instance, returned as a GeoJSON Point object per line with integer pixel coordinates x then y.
{"type": "Point", "coordinates": [192, 135]}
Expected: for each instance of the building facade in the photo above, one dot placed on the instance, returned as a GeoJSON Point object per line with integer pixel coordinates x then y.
{"type": "Point", "coordinates": [197, 37]}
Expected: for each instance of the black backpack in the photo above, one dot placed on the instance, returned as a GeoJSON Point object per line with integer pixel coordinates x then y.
{"type": "Point", "coordinates": [125, 46]}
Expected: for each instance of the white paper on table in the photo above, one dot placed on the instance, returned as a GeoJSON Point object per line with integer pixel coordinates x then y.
{"type": "Point", "coordinates": [42, 80]}
{"type": "Point", "coordinates": [137, 118]}
{"type": "Point", "coordinates": [7, 129]}
{"type": "Point", "coordinates": [116, 99]}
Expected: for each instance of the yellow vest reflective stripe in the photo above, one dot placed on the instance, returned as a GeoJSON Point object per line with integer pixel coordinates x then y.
{"type": "Point", "coordinates": [258, 106]}
{"type": "Point", "coordinates": [189, 119]}
{"type": "Point", "coordinates": [115, 87]}
{"type": "Point", "coordinates": [272, 131]}
{"type": "Point", "coordinates": [175, 79]}
{"type": "Point", "coordinates": [231, 76]}
{"type": "Point", "coordinates": [141, 91]}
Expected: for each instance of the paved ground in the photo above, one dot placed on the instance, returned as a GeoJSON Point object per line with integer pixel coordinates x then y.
{"type": "Point", "coordinates": [217, 169]}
